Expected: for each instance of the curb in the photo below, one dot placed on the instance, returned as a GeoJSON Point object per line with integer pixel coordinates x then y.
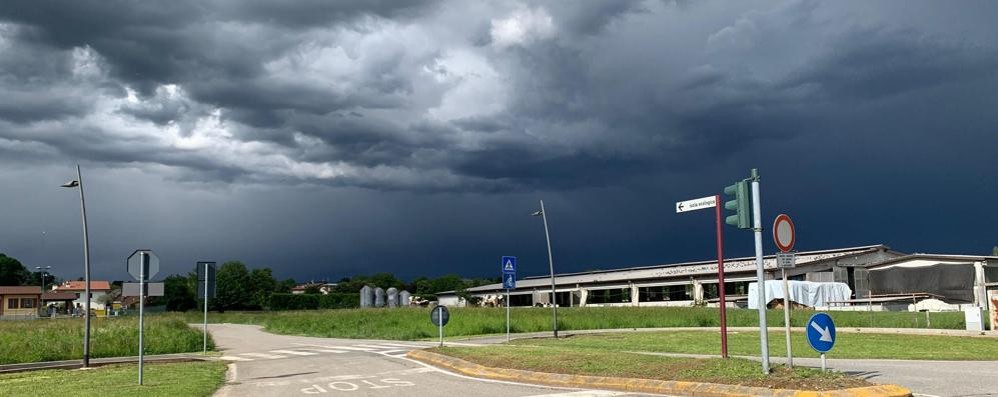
{"type": "Point", "coordinates": [682, 388]}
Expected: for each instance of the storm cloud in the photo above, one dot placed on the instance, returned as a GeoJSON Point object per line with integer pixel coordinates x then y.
{"type": "Point", "coordinates": [425, 108]}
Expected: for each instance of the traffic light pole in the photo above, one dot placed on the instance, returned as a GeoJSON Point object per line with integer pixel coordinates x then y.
{"type": "Point", "coordinates": [760, 274]}
{"type": "Point", "coordinates": [720, 277]}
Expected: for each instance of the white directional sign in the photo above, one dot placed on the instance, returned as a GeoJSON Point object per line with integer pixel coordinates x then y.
{"type": "Point", "coordinates": [696, 204]}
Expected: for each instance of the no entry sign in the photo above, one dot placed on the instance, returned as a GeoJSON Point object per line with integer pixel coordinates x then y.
{"type": "Point", "coordinates": [783, 233]}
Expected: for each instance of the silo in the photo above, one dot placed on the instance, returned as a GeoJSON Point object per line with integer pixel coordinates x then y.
{"type": "Point", "coordinates": [404, 297]}
{"type": "Point", "coordinates": [393, 297]}
{"type": "Point", "coordinates": [379, 297]}
{"type": "Point", "coordinates": [366, 297]}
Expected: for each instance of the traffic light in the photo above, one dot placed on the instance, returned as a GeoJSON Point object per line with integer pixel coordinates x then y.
{"type": "Point", "coordinates": [742, 218]}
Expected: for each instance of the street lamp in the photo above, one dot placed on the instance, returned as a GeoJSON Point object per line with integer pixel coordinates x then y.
{"type": "Point", "coordinates": [554, 298]}
{"type": "Point", "coordinates": [86, 267]}
{"type": "Point", "coordinates": [43, 270]}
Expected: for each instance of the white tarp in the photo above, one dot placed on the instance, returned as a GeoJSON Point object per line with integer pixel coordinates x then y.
{"type": "Point", "coordinates": [807, 293]}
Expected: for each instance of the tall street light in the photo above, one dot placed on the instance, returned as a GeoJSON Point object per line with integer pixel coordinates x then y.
{"type": "Point", "coordinates": [86, 267]}
{"type": "Point", "coordinates": [43, 271]}
{"type": "Point", "coordinates": [554, 299]}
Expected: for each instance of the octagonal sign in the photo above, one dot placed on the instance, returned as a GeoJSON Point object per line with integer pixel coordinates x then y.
{"type": "Point", "coordinates": [135, 264]}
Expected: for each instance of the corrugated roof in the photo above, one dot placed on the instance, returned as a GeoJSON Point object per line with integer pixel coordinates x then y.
{"type": "Point", "coordinates": [672, 270]}
{"type": "Point", "coordinates": [943, 257]}
{"type": "Point", "coordinates": [77, 286]}
{"type": "Point", "coordinates": [21, 290]}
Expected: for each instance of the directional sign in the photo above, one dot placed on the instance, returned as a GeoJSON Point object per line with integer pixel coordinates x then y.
{"type": "Point", "coordinates": [133, 289]}
{"type": "Point", "coordinates": [135, 264]}
{"type": "Point", "coordinates": [439, 316]}
{"type": "Point", "coordinates": [696, 204]}
{"type": "Point", "coordinates": [784, 233]}
{"type": "Point", "coordinates": [821, 332]}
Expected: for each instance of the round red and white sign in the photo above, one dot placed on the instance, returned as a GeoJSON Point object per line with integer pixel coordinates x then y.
{"type": "Point", "coordinates": [783, 233]}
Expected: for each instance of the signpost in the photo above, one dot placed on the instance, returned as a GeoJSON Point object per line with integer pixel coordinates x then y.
{"type": "Point", "coordinates": [206, 289]}
{"type": "Point", "coordinates": [784, 235]}
{"type": "Point", "coordinates": [698, 204]}
{"type": "Point", "coordinates": [821, 334]}
{"type": "Point", "coordinates": [142, 265]}
{"type": "Point", "coordinates": [508, 264]}
{"type": "Point", "coordinates": [439, 316]}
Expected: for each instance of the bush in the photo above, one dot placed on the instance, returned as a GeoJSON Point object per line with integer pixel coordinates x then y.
{"type": "Point", "coordinates": [313, 302]}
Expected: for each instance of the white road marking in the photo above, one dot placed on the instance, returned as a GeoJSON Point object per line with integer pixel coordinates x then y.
{"type": "Point", "coordinates": [294, 353]}
{"type": "Point", "coordinates": [234, 358]}
{"type": "Point", "coordinates": [378, 347]}
{"type": "Point", "coordinates": [401, 345]}
{"type": "Point", "coordinates": [393, 352]}
{"type": "Point", "coordinates": [325, 350]}
{"type": "Point", "coordinates": [263, 355]}
{"type": "Point", "coordinates": [362, 349]}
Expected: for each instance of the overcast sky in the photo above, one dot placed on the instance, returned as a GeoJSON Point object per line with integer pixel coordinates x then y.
{"type": "Point", "coordinates": [330, 138]}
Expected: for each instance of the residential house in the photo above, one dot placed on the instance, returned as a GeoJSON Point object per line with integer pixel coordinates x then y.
{"type": "Point", "coordinates": [98, 289]}
{"type": "Point", "coordinates": [19, 301]}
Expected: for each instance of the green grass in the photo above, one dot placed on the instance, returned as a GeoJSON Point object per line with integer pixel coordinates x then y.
{"type": "Point", "coordinates": [171, 380]}
{"type": "Point", "coordinates": [414, 323]}
{"type": "Point", "coordinates": [847, 345]}
{"type": "Point", "coordinates": [62, 339]}
{"type": "Point", "coordinates": [581, 360]}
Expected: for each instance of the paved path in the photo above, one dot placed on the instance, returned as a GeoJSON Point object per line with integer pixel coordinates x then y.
{"type": "Point", "coordinates": [264, 364]}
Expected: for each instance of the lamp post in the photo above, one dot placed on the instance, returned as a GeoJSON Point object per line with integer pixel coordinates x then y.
{"type": "Point", "coordinates": [43, 270]}
{"type": "Point", "coordinates": [554, 297]}
{"type": "Point", "coordinates": [78, 183]}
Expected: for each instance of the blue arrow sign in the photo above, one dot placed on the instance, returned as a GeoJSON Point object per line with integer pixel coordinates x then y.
{"type": "Point", "coordinates": [821, 332]}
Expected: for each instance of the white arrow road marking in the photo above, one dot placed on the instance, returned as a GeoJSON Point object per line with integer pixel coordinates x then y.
{"type": "Point", "coordinates": [826, 335]}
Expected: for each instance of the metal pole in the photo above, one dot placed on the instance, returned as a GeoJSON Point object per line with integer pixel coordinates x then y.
{"type": "Point", "coordinates": [86, 273]}
{"type": "Point", "coordinates": [720, 276]}
{"type": "Point", "coordinates": [205, 332]}
{"type": "Point", "coordinates": [143, 263]}
{"type": "Point", "coordinates": [440, 323]}
{"type": "Point", "coordinates": [554, 298]}
{"type": "Point", "coordinates": [507, 315]}
{"type": "Point", "coordinates": [823, 366]}
{"type": "Point", "coordinates": [760, 275]}
{"type": "Point", "coordinates": [786, 317]}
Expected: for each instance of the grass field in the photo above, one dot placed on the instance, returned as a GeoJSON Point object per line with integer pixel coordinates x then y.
{"type": "Point", "coordinates": [851, 345]}
{"type": "Point", "coordinates": [62, 339]}
{"type": "Point", "coordinates": [414, 323]}
{"type": "Point", "coordinates": [584, 360]}
{"type": "Point", "coordinates": [192, 379]}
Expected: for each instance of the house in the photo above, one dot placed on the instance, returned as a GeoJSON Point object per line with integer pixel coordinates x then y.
{"type": "Point", "coordinates": [19, 301]}
{"type": "Point", "coordinates": [98, 289]}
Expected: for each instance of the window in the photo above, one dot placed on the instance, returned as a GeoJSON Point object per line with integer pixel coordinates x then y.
{"type": "Point", "coordinates": [12, 303]}
{"type": "Point", "coordinates": [27, 303]}
{"type": "Point", "coordinates": [666, 293]}
{"type": "Point", "coordinates": [521, 300]}
{"type": "Point", "coordinates": [613, 295]}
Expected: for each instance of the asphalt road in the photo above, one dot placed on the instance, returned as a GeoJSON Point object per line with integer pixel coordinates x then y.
{"type": "Point", "coordinates": [264, 364]}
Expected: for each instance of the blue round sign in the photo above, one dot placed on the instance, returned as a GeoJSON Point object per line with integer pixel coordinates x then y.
{"type": "Point", "coordinates": [821, 332]}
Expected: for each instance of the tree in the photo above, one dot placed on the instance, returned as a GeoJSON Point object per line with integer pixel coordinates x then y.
{"type": "Point", "coordinates": [12, 272]}
{"type": "Point", "coordinates": [313, 289]}
{"type": "Point", "coordinates": [262, 284]}
{"type": "Point", "coordinates": [284, 287]}
{"type": "Point", "coordinates": [178, 293]}
{"type": "Point", "coordinates": [232, 287]}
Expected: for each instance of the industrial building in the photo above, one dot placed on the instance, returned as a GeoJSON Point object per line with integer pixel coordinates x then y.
{"type": "Point", "coordinates": [879, 278]}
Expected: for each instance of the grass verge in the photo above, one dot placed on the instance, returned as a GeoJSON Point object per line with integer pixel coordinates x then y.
{"type": "Point", "coordinates": [193, 379]}
{"type": "Point", "coordinates": [62, 339]}
{"type": "Point", "coordinates": [578, 360]}
{"type": "Point", "coordinates": [867, 346]}
{"type": "Point", "coordinates": [414, 323]}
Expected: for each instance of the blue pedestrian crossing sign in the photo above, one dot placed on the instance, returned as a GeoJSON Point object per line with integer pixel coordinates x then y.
{"type": "Point", "coordinates": [821, 332]}
{"type": "Point", "coordinates": [508, 272]}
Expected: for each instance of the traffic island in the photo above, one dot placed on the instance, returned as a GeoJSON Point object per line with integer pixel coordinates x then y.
{"type": "Point", "coordinates": [517, 371]}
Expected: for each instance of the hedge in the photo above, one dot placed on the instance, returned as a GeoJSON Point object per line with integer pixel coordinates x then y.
{"type": "Point", "coordinates": [313, 301]}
